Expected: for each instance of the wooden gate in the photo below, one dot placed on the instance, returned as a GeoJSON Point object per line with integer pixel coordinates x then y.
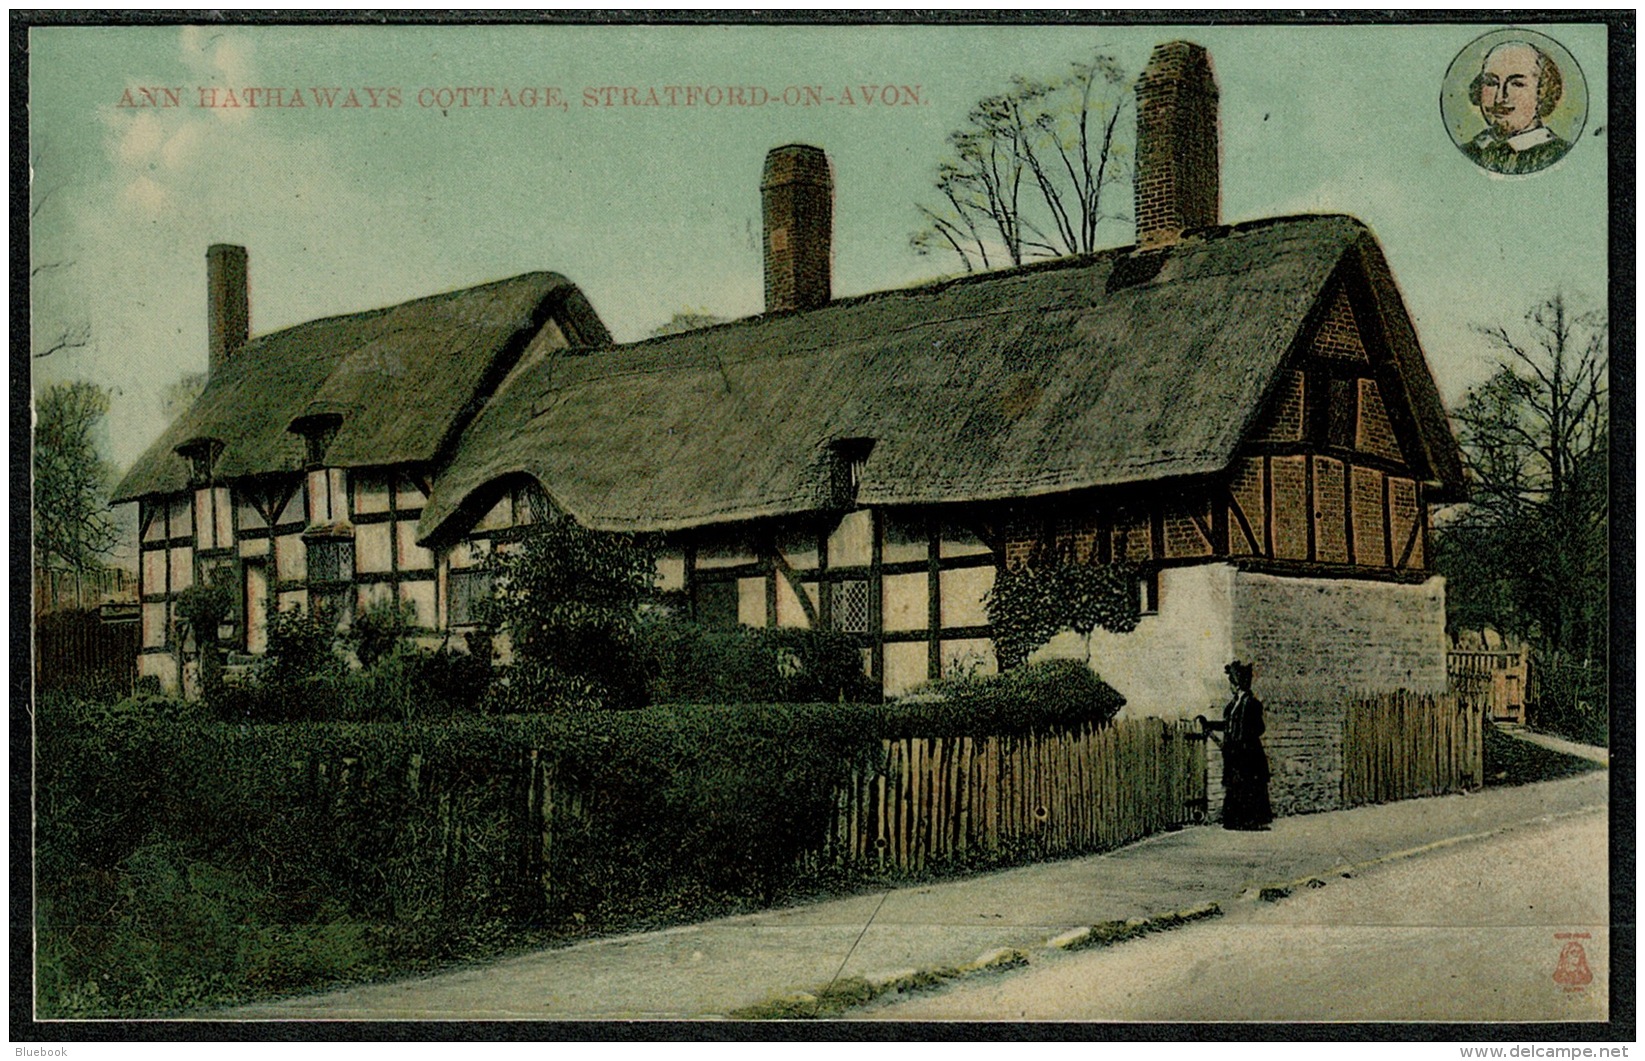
{"type": "Point", "coordinates": [1497, 682]}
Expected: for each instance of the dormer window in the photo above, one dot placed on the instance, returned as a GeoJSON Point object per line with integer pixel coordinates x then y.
{"type": "Point", "coordinates": [317, 429]}
{"type": "Point", "coordinates": [202, 454]}
{"type": "Point", "coordinates": [848, 458]}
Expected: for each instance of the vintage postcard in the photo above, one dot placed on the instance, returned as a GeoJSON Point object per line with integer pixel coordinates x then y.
{"type": "Point", "coordinates": [988, 521]}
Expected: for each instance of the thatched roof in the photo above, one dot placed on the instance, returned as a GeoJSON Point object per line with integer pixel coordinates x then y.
{"type": "Point", "coordinates": [403, 380]}
{"type": "Point", "coordinates": [1116, 368]}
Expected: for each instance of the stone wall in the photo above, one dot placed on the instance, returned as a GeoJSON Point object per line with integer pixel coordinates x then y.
{"type": "Point", "coordinates": [1315, 639]}
{"type": "Point", "coordinates": [1304, 745]}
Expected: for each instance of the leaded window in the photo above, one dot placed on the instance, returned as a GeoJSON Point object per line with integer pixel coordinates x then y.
{"type": "Point", "coordinates": [330, 560]}
{"type": "Point", "coordinates": [468, 588]}
{"type": "Point", "coordinates": [849, 606]}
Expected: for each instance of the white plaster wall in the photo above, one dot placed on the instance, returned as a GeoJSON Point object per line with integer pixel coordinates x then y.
{"type": "Point", "coordinates": [906, 664]}
{"type": "Point", "coordinates": [670, 572]}
{"type": "Point", "coordinates": [790, 612]}
{"type": "Point", "coordinates": [159, 666]}
{"type": "Point", "coordinates": [413, 557]}
{"type": "Point", "coordinates": [420, 595]}
{"type": "Point", "coordinates": [851, 543]}
{"type": "Point", "coordinates": [751, 601]}
{"type": "Point", "coordinates": [370, 493]}
{"type": "Point", "coordinates": [905, 601]}
{"type": "Point", "coordinates": [963, 591]}
{"type": "Point", "coordinates": [1314, 639]}
{"type": "Point", "coordinates": [373, 545]}
{"type": "Point", "coordinates": [1170, 666]}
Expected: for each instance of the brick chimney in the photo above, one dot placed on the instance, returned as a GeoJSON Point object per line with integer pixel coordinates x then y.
{"type": "Point", "coordinates": [797, 200]}
{"type": "Point", "coordinates": [228, 304]}
{"type": "Point", "coordinates": [1178, 186]}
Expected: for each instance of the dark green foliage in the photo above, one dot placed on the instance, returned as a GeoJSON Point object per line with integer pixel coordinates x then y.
{"type": "Point", "coordinates": [569, 600]}
{"type": "Point", "coordinates": [410, 684]}
{"type": "Point", "coordinates": [1029, 606]}
{"type": "Point", "coordinates": [184, 861]}
{"type": "Point", "coordinates": [299, 678]}
{"type": "Point", "coordinates": [691, 803]}
{"type": "Point", "coordinates": [301, 648]}
{"type": "Point", "coordinates": [1055, 694]}
{"type": "Point", "coordinates": [699, 664]}
{"type": "Point", "coordinates": [206, 607]}
{"type": "Point", "coordinates": [1571, 700]}
{"type": "Point", "coordinates": [189, 862]}
{"type": "Point", "coordinates": [304, 678]}
{"type": "Point", "coordinates": [381, 629]}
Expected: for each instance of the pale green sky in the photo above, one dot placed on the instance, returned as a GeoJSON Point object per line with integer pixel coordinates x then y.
{"type": "Point", "coordinates": [651, 211]}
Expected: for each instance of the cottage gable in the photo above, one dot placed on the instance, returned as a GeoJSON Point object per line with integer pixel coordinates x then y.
{"type": "Point", "coordinates": [440, 356]}
{"type": "Point", "coordinates": [1040, 381]}
{"type": "Point", "coordinates": [298, 477]}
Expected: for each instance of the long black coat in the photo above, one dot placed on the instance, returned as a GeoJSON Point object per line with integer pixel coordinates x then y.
{"type": "Point", "coordinates": [1244, 765]}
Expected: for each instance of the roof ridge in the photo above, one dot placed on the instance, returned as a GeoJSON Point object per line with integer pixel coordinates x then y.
{"type": "Point", "coordinates": [936, 285]}
{"type": "Point", "coordinates": [360, 315]}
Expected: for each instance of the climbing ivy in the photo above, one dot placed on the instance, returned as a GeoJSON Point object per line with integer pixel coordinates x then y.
{"type": "Point", "coordinates": [1029, 606]}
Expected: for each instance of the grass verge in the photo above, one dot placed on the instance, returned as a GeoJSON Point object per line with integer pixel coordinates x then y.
{"type": "Point", "coordinates": [1511, 761]}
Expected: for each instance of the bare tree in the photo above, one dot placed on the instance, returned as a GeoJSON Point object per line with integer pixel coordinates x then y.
{"type": "Point", "coordinates": [1025, 178]}
{"type": "Point", "coordinates": [71, 336]}
{"type": "Point", "coordinates": [1529, 552]}
{"type": "Point", "coordinates": [686, 320]}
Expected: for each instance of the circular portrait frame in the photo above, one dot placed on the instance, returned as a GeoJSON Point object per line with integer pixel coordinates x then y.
{"type": "Point", "coordinates": [1513, 152]}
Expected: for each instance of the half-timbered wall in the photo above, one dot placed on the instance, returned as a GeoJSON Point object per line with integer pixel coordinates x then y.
{"type": "Point", "coordinates": [463, 578]}
{"type": "Point", "coordinates": [908, 586]}
{"type": "Point", "coordinates": [330, 539]}
{"type": "Point", "coordinates": [165, 569]}
{"type": "Point", "coordinates": [389, 565]}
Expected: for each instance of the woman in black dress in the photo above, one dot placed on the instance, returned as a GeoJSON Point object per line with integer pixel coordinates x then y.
{"type": "Point", "coordinates": [1244, 763]}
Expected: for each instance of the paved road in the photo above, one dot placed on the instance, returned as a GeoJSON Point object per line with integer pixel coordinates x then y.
{"type": "Point", "coordinates": [1466, 932]}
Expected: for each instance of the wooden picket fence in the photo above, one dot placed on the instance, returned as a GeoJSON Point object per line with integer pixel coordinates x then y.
{"type": "Point", "coordinates": [1403, 745]}
{"type": "Point", "coordinates": [946, 800]}
{"type": "Point", "coordinates": [76, 648]}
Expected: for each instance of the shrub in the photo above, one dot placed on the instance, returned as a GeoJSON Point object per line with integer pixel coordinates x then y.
{"type": "Point", "coordinates": [1054, 694]}
{"type": "Point", "coordinates": [698, 664]}
{"type": "Point", "coordinates": [569, 599]}
{"type": "Point", "coordinates": [381, 630]}
{"type": "Point", "coordinates": [301, 648]}
{"type": "Point", "coordinates": [185, 862]}
{"type": "Point", "coordinates": [300, 678]}
{"type": "Point", "coordinates": [1572, 700]}
{"type": "Point", "coordinates": [205, 607]}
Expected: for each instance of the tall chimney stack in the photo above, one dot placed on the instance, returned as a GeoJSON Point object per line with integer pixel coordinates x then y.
{"type": "Point", "coordinates": [228, 304]}
{"type": "Point", "coordinates": [1178, 186]}
{"type": "Point", "coordinates": [797, 200]}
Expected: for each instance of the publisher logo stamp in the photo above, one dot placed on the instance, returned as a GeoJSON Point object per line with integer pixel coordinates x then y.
{"type": "Point", "coordinates": [1571, 971]}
